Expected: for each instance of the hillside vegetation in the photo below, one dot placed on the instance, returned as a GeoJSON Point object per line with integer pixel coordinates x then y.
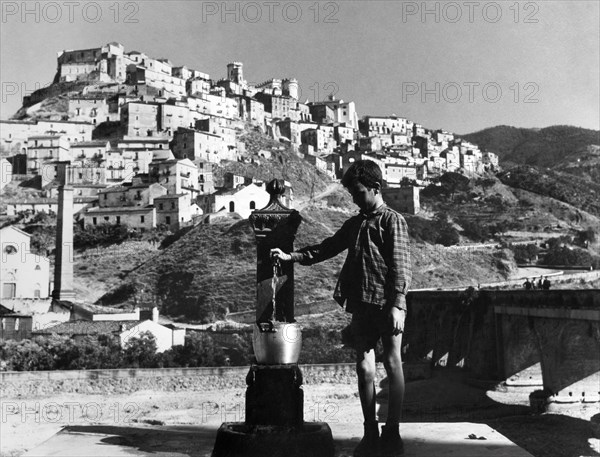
{"type": "Point", "coordinates": [560, 186]}
{"type": "Point", "coordinates": [545, 147]}
{"type": "Point", "coordinates": [211, 269]}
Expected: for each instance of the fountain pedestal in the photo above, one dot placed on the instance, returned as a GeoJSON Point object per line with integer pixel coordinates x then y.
{"type": "Point", "coordinates": [274, 425]}
{"type": "Point", "coordinates": [274, 396]}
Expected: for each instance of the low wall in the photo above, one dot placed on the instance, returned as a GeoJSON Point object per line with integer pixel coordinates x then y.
{"type": "Point", "coordinates": [122, 381]}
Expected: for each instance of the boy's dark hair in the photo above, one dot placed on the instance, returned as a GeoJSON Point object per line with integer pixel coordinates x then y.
{"type": "Point", "coordinates": [366, 172]}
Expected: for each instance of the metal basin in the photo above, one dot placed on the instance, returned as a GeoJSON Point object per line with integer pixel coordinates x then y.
{"type": "Point", "coordinates": [279, 346]}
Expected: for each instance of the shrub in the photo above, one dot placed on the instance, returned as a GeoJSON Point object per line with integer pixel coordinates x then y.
{"type": "Point", "coordinates": [140, 351]}
{"type": "Point", "coordinates": [199, 350]}
{"type": "Point", "coordinates": [475, 231]}
{"type": "Point", "coordinates": [437, 231]}
{"type": "Point", "coordinates": [525, 253]}
{"type": "Point", "coordinates": [102, 235]}
{"type": "Point", "coordinates": [562, 255]}
{"type": "Point", "coordinates": [323, 345]}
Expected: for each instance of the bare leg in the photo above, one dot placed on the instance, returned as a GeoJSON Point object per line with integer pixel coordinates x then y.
{"type": "Point", "coordinates": [392, 361]}
{"type": "Point", "coordinates": [365, 369]}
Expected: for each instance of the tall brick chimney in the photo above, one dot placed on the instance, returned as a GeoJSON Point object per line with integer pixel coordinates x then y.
{"type": "Point", "coordinates": [63, 265]}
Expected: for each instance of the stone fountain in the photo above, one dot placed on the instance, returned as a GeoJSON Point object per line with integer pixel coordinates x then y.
{"type": "Point", "coordinates": [274, 423]}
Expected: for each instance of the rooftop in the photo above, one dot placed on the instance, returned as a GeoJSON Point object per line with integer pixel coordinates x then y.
{"type": "Point", "coordinates": [88, 327]}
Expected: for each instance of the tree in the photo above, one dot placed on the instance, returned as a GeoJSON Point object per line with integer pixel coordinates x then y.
{"type": "Point", "coordinates": [447, 234]}
{"type": "Point", "coordinates": [140, 351]}
{"type": "Point", "coordinates": [562, 255]}
{"type": "Point", "coordinates": [199, 350]}
{"type": "Point", "coordinates": [525, 253]}
{"type": "Point", "coordinates": [453, 183]}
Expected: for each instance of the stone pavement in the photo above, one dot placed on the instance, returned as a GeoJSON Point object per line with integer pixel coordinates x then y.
{"type": "Point", "coordinates": [432, 439]}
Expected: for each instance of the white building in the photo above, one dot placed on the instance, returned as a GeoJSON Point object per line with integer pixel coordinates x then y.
{"type": "Point", "coordinates": [24, 274]}
{"type": "Point", "coordinates": [242, 200]}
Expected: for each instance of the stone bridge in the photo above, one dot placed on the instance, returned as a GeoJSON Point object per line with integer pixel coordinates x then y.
{"type": "Point", "coordinates": [510, 335]}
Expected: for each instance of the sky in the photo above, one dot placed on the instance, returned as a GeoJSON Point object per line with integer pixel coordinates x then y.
{"type": "Point", "coordinates": [460, 66]}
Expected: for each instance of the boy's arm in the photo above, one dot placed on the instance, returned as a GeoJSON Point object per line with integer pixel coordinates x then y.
{"type": "Point", "coordinates": [328, 248]}
{"type": "Point", "coordinates": [397, 258]}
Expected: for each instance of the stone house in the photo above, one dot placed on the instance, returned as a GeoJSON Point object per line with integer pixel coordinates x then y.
{"type": "Point", "coordinates": [49, 205]}
{"type": "Point", "coordinates": [138, 217]}
{"type": "Point", "coordinates": [490, 160]}
{"type": "Point", "coordinates": [290, 130]}
{"type": "Point", "coordinates": [197, 85]}
{"type": "Point", "coordinates": [470, 163]}
{"type": "Point", "coordinates": [452, 157]}
{"type": "Point", "coordinates": [321, 139]}
{"type": "Point", "coordinates": [371, 143]}
{"type": "Point", "coordinates": [176, 175]}
{"type": "Point", "coordinates": [172, 116]}
{"type": "Point", "coordinates": [140, 119]}
{"type": "Point", "coordinates": [344, 134]}
{"type": "Point", "coordinates": [175, 210]}
{"type": "Point", "coordinates": [89, 152]}
{"type": "Point", "coordinates": [14, 326]}
{"type": "Point", "coordinates": [132, 158]}
{"type": "Point", "coordinates": [343, 112]}
{"type": "Point", "coordinates": [396, 172]}
{"type": "Point", "coordinates": [216, 104]}
{"type": "Point", "coordinates": [251, 110]}
{"type": "Point", "coordinates": [138, 194]}
{"type": "Point", "coordinates": [15, 134]}
{"type": "Point", "coordinates": [42, 153]}
{"type": "Point", "coordinates": [321, 164]}
{"type": "Point", "coordinates": [403, 199]}
{"type": "Point", "coordinates": [94, 109]}
{"type": "Point", "coordinates": [201, 146]}
{"type": "Point", "coordinates": [280, 106]}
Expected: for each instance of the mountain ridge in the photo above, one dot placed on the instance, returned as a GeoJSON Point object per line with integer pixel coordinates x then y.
{"type": "Point", "coordinates": [543, 147]}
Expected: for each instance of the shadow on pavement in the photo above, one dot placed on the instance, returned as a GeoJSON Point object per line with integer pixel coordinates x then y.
{"type": "Point", "coordinates": [193, 441]}
{"type": "Point", "coordinates": [447, 397]}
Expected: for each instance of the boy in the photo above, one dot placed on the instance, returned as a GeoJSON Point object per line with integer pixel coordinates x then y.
{"type": "Point", "coordinates": [373, 285]}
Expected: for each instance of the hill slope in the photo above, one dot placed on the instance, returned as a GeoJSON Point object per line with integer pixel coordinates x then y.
{"type": "Point", "coordinates": [211, 270]}
{"type": "Point", "coordinates": [545, 147]}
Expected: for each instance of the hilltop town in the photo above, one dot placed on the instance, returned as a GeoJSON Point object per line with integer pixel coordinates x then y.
{"type": "Point", "coordinates": [143, 137]}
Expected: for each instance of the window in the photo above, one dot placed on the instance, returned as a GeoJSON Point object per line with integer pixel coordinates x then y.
{"type": "Point", "coordinates": [172, 205]}
{"type": "Point", "coordinates": [37, 267]}
{"type": "Point", "coordinates": [142, 219]}
{"type": "Point", "coordinates": [94, 221]}
{"type": "Point", "coordinates": [118, 220]}
{"type": "Point", "coordinates": [160, 206]}
{"type": "Point", "coordinates": [10, 249]}
{"type": "Point", "coordinates": [252, 205]}
{"type": "Point", "coordinates": [231, 207]}
{"type": "Point", "coordinates": [105, 196]}
{"type": "Point", "coordinates": [168, 220]}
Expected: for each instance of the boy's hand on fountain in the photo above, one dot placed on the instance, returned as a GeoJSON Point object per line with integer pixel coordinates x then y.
{"type": "Point", "coordinates": [277, 253]}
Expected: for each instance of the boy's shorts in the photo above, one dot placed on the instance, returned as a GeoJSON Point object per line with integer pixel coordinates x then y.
{"type": "Point", "coordinates": [369, 323]}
